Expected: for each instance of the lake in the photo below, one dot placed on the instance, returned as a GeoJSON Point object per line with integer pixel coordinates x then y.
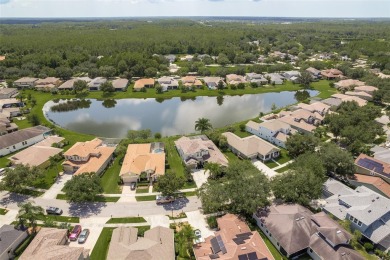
{"type": "Point", "coordinates": [113, 118]}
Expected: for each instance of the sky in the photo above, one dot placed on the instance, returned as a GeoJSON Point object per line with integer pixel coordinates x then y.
{"type": "Point", "coordinates": [142, 8]}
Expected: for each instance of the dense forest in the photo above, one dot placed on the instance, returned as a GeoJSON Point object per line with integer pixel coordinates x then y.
{"type": "Point", "coordinates": [137, 48]}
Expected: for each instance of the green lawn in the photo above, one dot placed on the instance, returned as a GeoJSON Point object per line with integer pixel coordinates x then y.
{"type": "Point", "coordinates": [271, 164]}
{"type": "Point", "coordinates": [96, 199]}
{"type": "Point", "coordinates": [190, 193]}
{"type": "Point", "coordinates": [3, 211]}
{"type": "Point", "coordinates": [146, 198]}
{"type": "Point", "coordinates": [325, 90]}
{"type": "Point", "coordinates": [49, 177]}
{"type": "Point", "coordinates": [180, 216]}
{"type": "Point", "coordinates": [231, 156]}
{"type": "Point", "coordinates": [276, 254]}
{"type": "Point", "coordinates": [126, 220]}
{"type": "Point", "coordinates": [55, 218]}
{"type": "Point", "coordinates": [110, 178]}
{"type": "Point", "coordinates": [142, 190]}
{"type": "Point", "coordinates": [173, 157]}
{"type": "Point", "coordinates": [22, 123]}
{"type": "Point", "coordinates": [283, 169]}
{"type": "Point", "coordinates": [100, 250]}
{"type": "Point", "coordinates": [242, 134]}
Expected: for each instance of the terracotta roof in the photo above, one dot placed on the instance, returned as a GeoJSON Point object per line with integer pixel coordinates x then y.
{"type": "Point", "coordinates": [380, 184]}
{"type": "Point", "coordinates": [230, 226]}
{"type": "Point", "coordinates": [139, 158]}
{"type": "Point", "coordinates": [142, 82]}
{"type": "Point", "coordinates": [250, 145]}
{"type": "Point", "coordinates": [49, 244]}
{"type": "Point", "coordinates": [157, 244]}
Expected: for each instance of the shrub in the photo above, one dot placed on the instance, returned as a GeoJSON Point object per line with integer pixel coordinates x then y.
{"type": "Point", "coordinates": [212, 222]}
{"type": "Point", "coordinates": [368, 246]}
{"type": "Point", "coordinates": [242, 127]}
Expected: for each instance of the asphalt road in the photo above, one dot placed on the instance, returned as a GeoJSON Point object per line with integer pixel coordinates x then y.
{"type": "Point", "coordinates": [99, 209]}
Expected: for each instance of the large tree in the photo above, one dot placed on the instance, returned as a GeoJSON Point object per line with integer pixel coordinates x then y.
{"type": "Point", "coordinates": [305, 79]}
{"type": "Point", "coordinates": [336, 161]}
{"type": "Point", "coordinates": [298, 144]}
{"type": "Point", "coordinates": [169, 184]}
{"type": "Point", "coordinates": [80, 85]}
{"type": "Point", "coordinates": [29, 214]}
{"type": "Point", "coordinates": [203, 125]}
{"type": "Point", "coordinates": [243, 190]}
{"type": "Point", "coordinates": [19, 178]}
{"type": "Point", "coordinates": [107, 87]}
{"type": "Point", "coordinates": [83, 187]}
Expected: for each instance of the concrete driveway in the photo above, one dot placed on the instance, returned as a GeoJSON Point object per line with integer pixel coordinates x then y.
{"type": "Point", "coordinates": [128, 195]}
{"type": "Point", "coordinates": [198, 221]}
{"type": "Point", "coordinates": [200, 177]}
{"type": "Point", "coordinates": [95, 226]}
{"type": "Point", "coordinates": [264, 168]}
{"type": "Point", "coordinates": [158, 220]}
{"type": "Point", "coordinates": [56, 188]}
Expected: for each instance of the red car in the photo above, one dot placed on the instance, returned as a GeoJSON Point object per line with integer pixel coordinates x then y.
{"type": "Point", "coordinates": [75, 233]}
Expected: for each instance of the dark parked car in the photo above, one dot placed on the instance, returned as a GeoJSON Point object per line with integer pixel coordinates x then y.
{"type": "Point", "coordinates": [83, 236]}
{"type": "Point", "coordinates": [53, 211]}
{"type": "Point", "coordinates": [133, 185]}
{"type": "Point", "coordinates": [75, 233]}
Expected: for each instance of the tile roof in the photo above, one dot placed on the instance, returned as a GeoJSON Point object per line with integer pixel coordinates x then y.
{"type": "Point", "coordinates": [251, 145]}
{"type": "Point", "coordinates": [22, 135]}
{"type": "Point", "coordinates": [6, 91]}
{"type": "Point", "coordinates": [140, 158]}
{"type": "Point", "coordinates": [332, 102]}
{"type": "Point", "coordinates": [67, 84]}
{"type": "Point", "coordinates": [49, 243]}
{"type": "Point", "coordinates": [274, 125]}
{"type": "Point", "coordinates": [26, 80]}
{"type": "Point", "coordinates": [377, 182]}
{"type": "Point", "coordinates": [157, 244]}
{"type": "Point", "coordinates": [347, 83]}
{"type": "Point", "coordinates": [142, 82]}
{"type": "Point", "coordinates": [368, 89]}
{"type": "Point", "coordinates": [230, 228]}
{"type": "Point", "coordinates": [47, 81]}
{"type": "Point", "coordinates": [38, 153]}
{"type": "Point", "coordinates": [120, 83]}
{"type": "Point", "coordinates": [301, 124]}
{"type": "Point", "coordinates": [8, 236]}
{"type": "Point", "coordinates": [379, 167]}
{"type": "Point", "coordinates": [345, 98]}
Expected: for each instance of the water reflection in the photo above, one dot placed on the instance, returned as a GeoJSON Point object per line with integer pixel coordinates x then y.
{"type": "Point", "coordinates": [171, 117]}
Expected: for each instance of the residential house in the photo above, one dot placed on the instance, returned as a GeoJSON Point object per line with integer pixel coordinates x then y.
{"type": "Point", "coordinates": [319, 108]}
{"type": "Point", "coordinates": [47, 83]}
{"type": "Point", "coordinates": [315, 73]}
{"type": "Point", "coordinates": [368, 89]}
{"type": "Point", "coordinates": [376, 184]}
{"type": "Point", "coordinates": [38, 153]}
{"type": "Point", "coordinates": [367, 210]}
{"type": "Point", "coordinates": [256, 78]}
{"type": "Point", "coordinates": [191, 82]}
{"type": "Point", "coordinates": [90, 156]}
{"type": "Point", "coordinates": [381, 153]}
{"type": "Point", "coordinates": [25, 82]}
{"type": "Point", "coordinates": [143, 158]}
{"type": "Point", "coordinates": [274, 78]}
{"type": "Point", "coordinates": [187, 58]}
{"type": "Point", "coordinates": [143, 83]}
{"type": "Point", "coordinates": [373, 167]}
{"type": "Point", "coordinates": [291, 75]}
{"type": "Point", "coordinates": [120, 84]}
{"type": "Point", "coordinates": [197, 150]}
{"type": "Point", "coordinates": [6, 126]}
{"type": "Point", "coordinates": [332, 102]}
{"type": "Point", "coordinates": [234, 240]}
{"type": "Point", "coordinates": [274, 131]}
{"type": "Point", "coordinates": [23, 138]}
{"type": "Point", "coordinates": [156, 244]}
{"type": "Point", "coordinates": [295, 231]}
{"type": "Point", "coordinates": [6, 93]}
{"type": "Point", "coordinates": [10, 239]}
{"type": "Point", "coordinates": [345, 98]}
{"type": "Point", "coordinates": [96, 83]}
{"type": "Point", "coordinates": [251, 147]}
{"type": "Point", "coordinates": [10, 102]}
{"type": "Point", "coordinates": [331, 74]}
{"type": "Point", "coordinates": [171, 58]}
{"type": "Point", "coordinates": [234, 79]}
{"type": "Point", "coordinates": [51, 243]}
{"type": "Point", "coordinates": [348, 84]}
{"type": "Point", "coordinates": [360, 94]}
{"type": "Point", "coordinates": [212, 82]}
{"type": "Point", "coordinates": [10, 112]}
{"type": "Point", "coordinates": [67, 85]}
{"type": "Point", "coordinates": [168, 83]}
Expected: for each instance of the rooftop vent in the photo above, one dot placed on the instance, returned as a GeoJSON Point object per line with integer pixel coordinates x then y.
{"type": "Point", "coordinates": [343, 253]}
{"type": "Point", "coordinates": [338, 232]}
{"type": "Point", "coordinates": [369, 211]}
{"type": "Point", "coordinates": [243, 248]}
{"type": "Point", "coordinates": [297, 219]}
{"type": "Point", "coordinates": [302, 218]}
{"type": "Point", "coordinates": [373, 200]}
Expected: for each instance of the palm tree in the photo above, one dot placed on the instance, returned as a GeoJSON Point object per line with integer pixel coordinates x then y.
{"type": "Point", "coordinates": [202, 125]}
{"type": "Point", "coordinates": [29, 213]}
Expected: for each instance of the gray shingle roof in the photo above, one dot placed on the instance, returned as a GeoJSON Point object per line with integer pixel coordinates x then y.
{"type": "Point", "coordinates": [8, 236]}
{"type": "Point", "coordinates": [22, 135]}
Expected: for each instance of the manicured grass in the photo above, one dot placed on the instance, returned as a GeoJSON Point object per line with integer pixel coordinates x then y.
{"type": "Point", "coordinates": [110, 178]}
{"type": "Point", "coordinates": [189, 185]}
{"type": "Point", "coordinates": [283, 169]}
{"type": "Point", "coordinates": [96, 199]}
{"type": "Point", "coordinates": [173, 157]}
{"type": "Point", "coordinates": [284, 157]}
{"type": "Point", "coordinates": [271, 164]}
{"type": "Point", "coordinates": [49, 177]}
{"type": "Point", "coordinates": [180, 216]}
{"type": "Point", "coordinates": [325, 90]}
{"type": "Point", "coordinates": [22, 123]}
{"type": "Point", "coordinates": [3, 211]}
{"type": "Point", "coordinates": [142, 190]}
{"type": "Point", "coordinates": [275, 253]}
{"type": "Point", "coordinates": [126, 220]}
{"type": "Point", "coordinates": [55, 218]}
{"type": "Point", "coordinates": [146, 198]}
{"type": "Point", "coordinates": [242, 134]}
{"type": "Point", "coordinates": [100, 249]}
{"type": "Point", "coordinates": [190, 193]}
{"type": "Point", "coordinates": [231, 156]}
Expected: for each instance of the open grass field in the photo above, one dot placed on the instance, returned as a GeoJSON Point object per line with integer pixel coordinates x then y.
{"type": "Point", "coordinates": [96, 199]}
{"type": "Point", "coordinates": [126, 220]}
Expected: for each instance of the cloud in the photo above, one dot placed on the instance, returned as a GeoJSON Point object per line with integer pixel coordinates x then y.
{"type": "Point", "coordinates": [3, 2]}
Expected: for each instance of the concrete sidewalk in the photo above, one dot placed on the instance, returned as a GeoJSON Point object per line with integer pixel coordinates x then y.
{"type": "Point", "coordinates": [134, 194]}
{"type": "Point", "coordinates": [264, 168]}
{"type": "Point", "coordinates": [282, 165]}
{"type": "Point", "coordinates": [198, 221]}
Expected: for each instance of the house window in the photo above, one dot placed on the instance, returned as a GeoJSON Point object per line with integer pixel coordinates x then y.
{"type": "Point", "coordinates": [351, 218]}
{"type": "Point", "coordinates": [277, 243]}
{"type": "Point", "coordinates": [261, 224]}
{"type": "Point", "coordinates": [311, 250]}
{"type": "Point", "coordinates": [14, 147]}
{"type": "Point", "coordinates": [270, 235]}
{"type": "Point", "coordinates": [355, 221]}
{"type": "Point", "coordinates": [359, 223]}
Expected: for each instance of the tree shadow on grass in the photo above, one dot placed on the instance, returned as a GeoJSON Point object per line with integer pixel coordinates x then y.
{"type": "Point", "coordinates": [12, 198]}
{"type": "Point", "coordinates": [86, 209]}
